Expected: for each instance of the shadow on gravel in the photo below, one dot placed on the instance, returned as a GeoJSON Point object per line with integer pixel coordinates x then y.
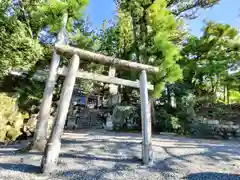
{"type": "Point", "coordinates": [97, 149]}
{"type": "Point", "coordinates": [212, 176]}
{"type": "Point", "coordinates": [215, 153]}
{"type": "Point", "coordinates": [27, 168]}
{"type": "Point", "coordinates": [97, 174]}
{"type": "Point", "coordinates": [90, 157]}
{"type": "Point", "coordinates": [71, 141]}
{"type": "Point", "coordinates": [16, 153]}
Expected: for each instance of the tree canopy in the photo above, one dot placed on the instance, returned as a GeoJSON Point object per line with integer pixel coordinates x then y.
{"type": "Point", "coordinates": [208, 61]}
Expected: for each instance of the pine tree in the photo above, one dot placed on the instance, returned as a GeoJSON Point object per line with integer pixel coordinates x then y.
{"type": "Point", "coordinates": [154, 31]}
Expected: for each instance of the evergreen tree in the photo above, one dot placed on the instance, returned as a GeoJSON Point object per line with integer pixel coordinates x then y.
{"type": "Point", "coordinates": [207, 61]}
{"type": "Point", "coordinates": [151, 32]}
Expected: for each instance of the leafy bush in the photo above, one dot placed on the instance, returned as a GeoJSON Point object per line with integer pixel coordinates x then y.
{"type": "Point", "coordinates": [11, 120]}
{"type": "Point", "coordinates": [171, 119]}
{"type": "Point", "coordinates": [175, 123]}
{"type": "Point", "coordinates": [234, 96]}
{"type": "Point", "coordinates": [162, 120]}
{"type": "Point", "coordinates": [30, 94]}
{"type": "Point", "coordinates": [166, 121]}
{"type": "Point", "coordinates": [187, 105]}
{"type": "Point", "coordinates": [18, 49]}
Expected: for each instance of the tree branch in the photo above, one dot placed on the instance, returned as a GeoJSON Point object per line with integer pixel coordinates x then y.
{"type": "Point", "coordinates": [172, 2]}
{"type": "Point", "coordinates": [190, 6]}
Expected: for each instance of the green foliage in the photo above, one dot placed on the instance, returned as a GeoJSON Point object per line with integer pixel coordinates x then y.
{"type": "Point", "coordinates": [234, 96]}
{"type": "Point", "coordinates": [176, 119]}
{"type": "Point", "coordinates": [165, 26]}
{"type": "Point", "coordinates": [11, 120]}
{"type": "Point", "coordinates": [206, 61]}
{"type": "Point", "coordinates": [51, 13]}
{"type": "Point", "coordinates": [30, 94]}
{"type": "Point", "coordinates": [146, 32]}
{"type": "Point", "coordinates": [175, 123]}
{"type": "Point", "coordinates": [167, 121]}
{"type": "Point", "coordinates": [18, 49]}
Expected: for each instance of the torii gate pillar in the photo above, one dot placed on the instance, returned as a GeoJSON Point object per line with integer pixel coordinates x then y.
{"type": "Point", "coordinates": [146, 120]}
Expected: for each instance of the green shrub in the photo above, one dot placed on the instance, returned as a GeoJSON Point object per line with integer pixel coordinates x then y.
{"type": "Point", "coordinates": [162, 120]}
{"type": "Point", "coordinates": [175, 123]}
{"type": "Point", "coordinates": [177, 119]}
{"type": "Point", "coordinates": [11, 120]}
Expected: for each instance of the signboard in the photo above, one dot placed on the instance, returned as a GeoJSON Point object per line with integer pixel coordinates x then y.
{"type": "Point", "coordinates": [82, 100]}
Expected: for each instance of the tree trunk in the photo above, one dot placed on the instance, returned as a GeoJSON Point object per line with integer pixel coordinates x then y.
{"type": "Point", "coordinates": [228, 95]}
{"type": "Point", "coordinates": [224, 93]}
{"type": "Point", "coordinates": [168, 94]}
{"type": "Point", "coordinates": [212, 91]}
{"type": "Point", "coordinates": [215, 88]}
{"type": "Point", "coordinates": [40, 135]}
{"type": "Point", "coordinates": [153, 114]}
{"type": "Point", "coordinates": [143, 34]}
{"type": "Point", "coordinates": [51, 154]}
{"type": "Point", "coordinates": [136, 49]}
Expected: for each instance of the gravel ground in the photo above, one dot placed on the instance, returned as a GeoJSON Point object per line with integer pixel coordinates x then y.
{"type": "Point", "coordinates": [93, 155]}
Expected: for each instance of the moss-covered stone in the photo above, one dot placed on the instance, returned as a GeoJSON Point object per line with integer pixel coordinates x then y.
{"type": "Point", "coordinates": [123, 116]}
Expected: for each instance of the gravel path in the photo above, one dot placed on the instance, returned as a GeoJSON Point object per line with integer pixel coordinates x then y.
{"type": "Point", "coordinates": [106, 155]}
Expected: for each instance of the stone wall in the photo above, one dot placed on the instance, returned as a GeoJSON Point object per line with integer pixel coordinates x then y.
{"type": "Point", "coordinates": [216, 128]}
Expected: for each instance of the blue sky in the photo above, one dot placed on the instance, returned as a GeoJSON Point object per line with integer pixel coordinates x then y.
{"type": "Point", "coordinates": [227, 11]}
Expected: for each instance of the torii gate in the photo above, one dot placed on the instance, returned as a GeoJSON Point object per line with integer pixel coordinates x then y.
{"type": "Point", "coordinates": [71, 73]}
{"type": "Point", "coordinates": [52, 150]}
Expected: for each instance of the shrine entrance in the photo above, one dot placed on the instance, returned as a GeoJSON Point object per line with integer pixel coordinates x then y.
{"type": "Point", "coordinates": [84, 112]}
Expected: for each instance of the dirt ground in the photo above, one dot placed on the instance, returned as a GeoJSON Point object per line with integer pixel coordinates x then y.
{"type": "Point", "coordinates": [94, 155]}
